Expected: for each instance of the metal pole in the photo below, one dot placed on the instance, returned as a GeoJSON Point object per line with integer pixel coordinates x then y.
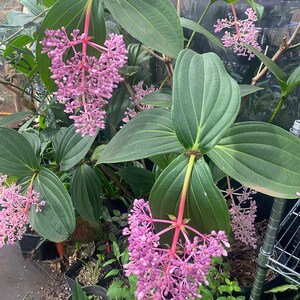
{"type": "Point", "coordinates": [266, 249]}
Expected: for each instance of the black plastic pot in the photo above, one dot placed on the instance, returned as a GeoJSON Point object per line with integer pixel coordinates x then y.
{"type": "Point", "coordinates": [94, 290]}
{"type": "Point", "coordinates": [32, 247]}
{"type": "Point", "coordinates": [72, 272]}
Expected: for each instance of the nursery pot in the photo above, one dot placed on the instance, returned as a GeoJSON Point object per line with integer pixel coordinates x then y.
{"type": "Point", "coordinates": [94, 290]}
{"type": "Point", "coordinates": [32, 247]}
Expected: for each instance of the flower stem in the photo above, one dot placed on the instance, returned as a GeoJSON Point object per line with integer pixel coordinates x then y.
{"type": "Point", "coordinates": [84, 48]}
{"type": "Point", "coordinates": [179, 220]}
{"type": "Point", "coordinates": [279, 105]}
{"type": "Point", "coordinates": [235, 20]}
{"type": "Point", "coordinates": [199, 21]}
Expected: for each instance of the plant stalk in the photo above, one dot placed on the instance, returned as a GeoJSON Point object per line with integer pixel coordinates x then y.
{"type": "Point", "coordinates": [199, 21]}
{"type": "Point", "coordinates": [279, 105]}
{"type": "Point", "coordinates": [179, 220]}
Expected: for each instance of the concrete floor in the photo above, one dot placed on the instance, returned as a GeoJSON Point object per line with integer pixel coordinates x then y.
{"type": "Point", "coordinates": [20, 278]}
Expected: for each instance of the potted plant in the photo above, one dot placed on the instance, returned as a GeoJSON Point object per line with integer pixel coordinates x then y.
{"type": "Point", "coordinates": [93, 292]}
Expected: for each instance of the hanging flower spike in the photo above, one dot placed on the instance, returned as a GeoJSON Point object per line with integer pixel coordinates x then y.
{"type": "Point", "coordinates": [140, 93]}
{"type": "Point", "coordinates": [245, 32]}
{"type": "Point", "coordinates": [14, 211]}
{"type": "Point", "coordinates": [161, 273]}
{"type": "Point", "coordinates": [243, 217]}
{"type": "Point", "coordinates": [85, 83]}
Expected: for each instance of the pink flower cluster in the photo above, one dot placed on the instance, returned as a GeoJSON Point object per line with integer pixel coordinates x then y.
{"type": "Point", "coordinates": [14, 211]}
{"type": "Point", "coordinates": [243, 214]}
{"type": "Point", "coordinates": [84, 82]}
{"type": "Point", "coordinates": [245, 32]}
{"type": "Point", "coordinates": [140, 93]}
{"type": "Point", "coordinates": [161, 273]}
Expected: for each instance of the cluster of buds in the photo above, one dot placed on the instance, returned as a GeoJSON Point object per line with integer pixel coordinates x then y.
{"type": "Point", "coordinates": [85, 83]}
{"type": "Point", "coordinates": [140, 93]}
{"type": "Point", "coordinates": [162, 272]}
{"type": "Point", "coordinates": [14, 211]}
{"type": "Point", "coordinates": [245, 32]}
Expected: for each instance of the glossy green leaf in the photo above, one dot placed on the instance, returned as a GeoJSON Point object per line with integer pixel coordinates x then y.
{"type": "Point", "coordinates": [78, 293]}
{"type": "Point", "coordinates": [205, 206]}
{"type": "Point", "coordinates": [192, 25]}
{"type": "Point", "coordinates": [86, 193]}
{"type": "Point", "coordinates": [71, 147]}
{"type": "Point", "coordinates": [71, 15]}
{"type": "Point", "coordinates": [14, 118]}
{"type": "Point", "coordinates": [261, 156]}
{"type": "Point", "coordinates": [206, 100]}
{"type": "Point", "coordinates": [17, 42]}
{"type": "Point", "coordinates": [56, 220]}
{"type": "Point", "coordinates": [293, 80]}
{"type": "Point", "coordinates": [153, 22]}
{"type": "Point", "coordinates": [141, 180]}
{"type": "Point", "coordinates": [160, 98]}
{"type": "Point", "coordinates": [48, 3]}
{"type": "Point", "coordinates": [16, 154]}
{"type": "Point", "coordinates": [247, 89]}
{"type": "Point", "coordinates": [269, 63]}
{"type": "Point", "coordinates": [151, 132]}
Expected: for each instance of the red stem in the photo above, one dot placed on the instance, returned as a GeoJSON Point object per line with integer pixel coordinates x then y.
{"type": "Point", "coordinates": [235, 20]}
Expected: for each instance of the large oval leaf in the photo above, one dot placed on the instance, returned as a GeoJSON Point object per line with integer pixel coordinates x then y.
{"type": "Point", "coordinates": [205, 205]}
{"type": "Point", "coordinates": [153, 22]}
{"type": "Point", "coordinates": [206, 100]}
{"type": "Point", "coordinates": [56, 220]}
{"type": "Point", "coordinates": [86, 193]}
{"type": "Point", "coordinates": [71, 147]}
{"type": "Point", "coordinates": [17, 157]}
{"type": "Point", "coordinates": [151, 132]}
{"type": "Point", "coordinates": [71, 15]}
{"type": "Point", "coordinates": [261, 156]}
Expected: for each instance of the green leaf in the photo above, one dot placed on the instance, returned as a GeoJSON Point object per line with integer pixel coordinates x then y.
{"type": "Point", "coordinates": [141, 180]}
{"type": "Point", "coordinates": [16, 154]}
{"type": "Point", "coordinates": [112, 273]}
{"type": "Point", "coordinates": [261, 156]}
{"type": "Point", "coordinates": [14, 118]}
{"type": "Point", "coordinates": [151, 132]}
{"type": "Point", "coordinates": [205, 205]}
{"type": "Point", "coordinates": [160, 98]}
{"type": "Point", "coordinates": [71, 15]}
{"type": "Point", "coordinates": [109, 262]}
{"type": "Point", "coordinates": [18, 42]}
{"type": "Point", "coordinates": [293, 80]}
{"type": "Point", "coordinates": [86, 191]}
{"type": "Point", "coordinates": [192, 25]}
{"type": "Point", "coordinates": [34, 140]}
{"type": "Point", "coordinates": [136, 54]}
{"type": "Point", "coordinates": [247, 89]}
{"type": "Point", "coordinates": [78, 293]}
{"type": "Point", "coordinates": [71, 148]}
{"type": "Point", "coordinates": [56, 220]}
{"type": "Point", "coordinates": [153, 22]}
{"type": "Point", "coordinates": [206, 100]}
{"type": "Point", "coordinates": [283, 288]}
{"type": "Point", "coordinates": [269, 63]}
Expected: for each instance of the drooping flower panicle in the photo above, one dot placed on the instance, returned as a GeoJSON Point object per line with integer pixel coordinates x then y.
{"type": "Point", "coordinates": [244, 32]}
{"type": "Point", "coordinates": [14, 211]}
{"type": "Point", "coordinates": [85, 83]}
{"type": "Point", "coordinates": [243, 213]}
{"type": "Point", "coordinates": [162, 273]}
{"type": "Point", "coordinates": [140, 93]}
